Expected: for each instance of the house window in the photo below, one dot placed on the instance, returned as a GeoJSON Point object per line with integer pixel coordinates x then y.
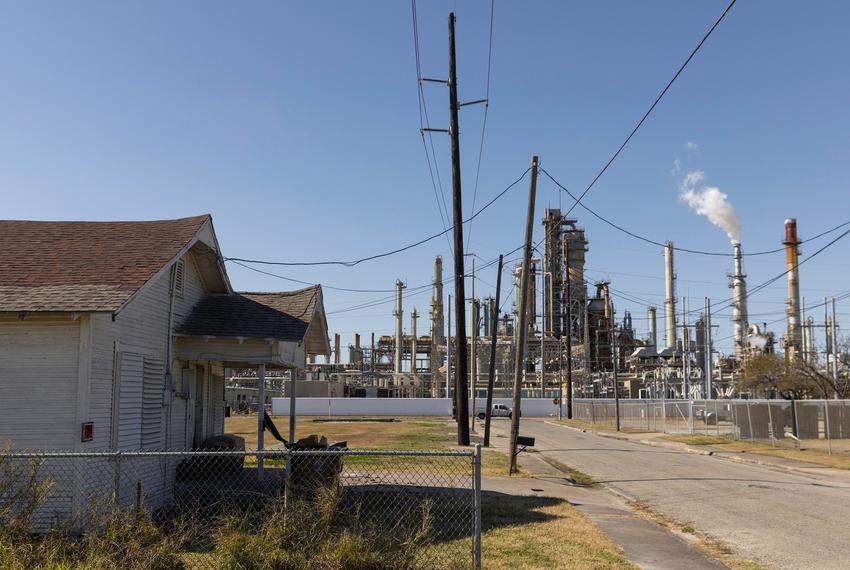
{"type": "Point", "coordinates": [179, 277]}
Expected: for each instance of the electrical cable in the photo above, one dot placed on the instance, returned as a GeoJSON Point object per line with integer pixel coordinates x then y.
{"type": "Point", "coordinates": [682, 249]}
{"type": "Point", "coordinates": [355, 262]}
{"type": "Point", "coordinates": [484, 120]}
{"type": "Point", "coordinates": [652, 107]}
{"type": "Point", "coordinates": [424, 122]}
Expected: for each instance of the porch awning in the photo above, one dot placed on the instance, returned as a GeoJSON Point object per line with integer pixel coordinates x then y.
{"type": "Point", "coordinates": [279, 329]}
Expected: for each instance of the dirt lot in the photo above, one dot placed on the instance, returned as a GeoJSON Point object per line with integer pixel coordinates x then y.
{"type": "Point", "coordinates": [402, 434]}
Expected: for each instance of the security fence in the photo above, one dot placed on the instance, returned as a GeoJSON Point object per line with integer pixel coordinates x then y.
{"type": "Point", "coordinates": [815, 424]}
{"type": "Point", "coordinates": [241, 509]}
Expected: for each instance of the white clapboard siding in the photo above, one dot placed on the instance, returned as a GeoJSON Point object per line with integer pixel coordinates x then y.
{"type": "Point", "coordinates": [38, 383]}
{"type": "Point", "coordinates": [217, 393]}
{"type": "Point", "coordinates": [102, 377]}
{"type": "Point", "coordinates": [130, 402]}
{"type": "Point", "coordinates": [152, 386]}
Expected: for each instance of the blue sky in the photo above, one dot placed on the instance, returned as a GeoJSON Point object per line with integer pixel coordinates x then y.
{"type": "Point", "coordinates": [296, 126]}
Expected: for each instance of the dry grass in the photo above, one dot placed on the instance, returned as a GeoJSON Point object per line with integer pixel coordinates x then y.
{"type": "Point", "coordinates": [808, 455]}
{"type": "Point", "coordinates": [579, 477]}
{"type": "Point", "coordinates": [417, 434]}
{"type": "Point", "coordinates": [710, 546]}
{"type": "Point", "coordinates": [581, 424]}
{"type": "Point", "coordinates": [698, 439]}
{"type": "Point", "coordinates": [540, 532]}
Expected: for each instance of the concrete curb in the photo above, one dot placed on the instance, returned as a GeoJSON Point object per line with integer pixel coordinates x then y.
{"type": "Point", "coordinates": [716, 454]}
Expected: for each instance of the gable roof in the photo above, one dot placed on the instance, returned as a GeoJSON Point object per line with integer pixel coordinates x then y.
{"type": "Point", "coordinates": [285, 316]}
{"type": "Point", "coordinates": [85, 266]}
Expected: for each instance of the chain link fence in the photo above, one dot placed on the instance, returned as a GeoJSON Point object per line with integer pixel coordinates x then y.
{"type": "Point", "coordinates": [813, 424]}
{"type": "Point", "coordinates": [241, 509]}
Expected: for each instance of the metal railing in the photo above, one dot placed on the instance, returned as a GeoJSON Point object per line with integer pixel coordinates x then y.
{"type": "Point", "coordinates": [815, 424]}
{"type": "Point", "coordinates": [271, 508]}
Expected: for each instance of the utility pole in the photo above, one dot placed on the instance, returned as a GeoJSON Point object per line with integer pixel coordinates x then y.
{"type": "Point", "coordinates": [473, 358]}
{"type": "Point", "coordinates": [834, 346]}
{"type": "Point", "coordinates": [543, 327]}
{"type": "Point", "coordinates": [827, 333]}
{"type": "Point", "coordinates": [491, 378]}
{"type": "Point", "coordinates": [449, 360]}
{"type": "Point", "coordinates": [461, 388]}
{"type": "Point", "coordinates": [569, 333]}
{"type": "Point", "coordinates": [708, 395]}
{"type": "Point", "coordinates": [614, 360]}
{"type": "Point", "coordinates": [519, 362]}
{"type": "Point", "coordinates": [686, 357]}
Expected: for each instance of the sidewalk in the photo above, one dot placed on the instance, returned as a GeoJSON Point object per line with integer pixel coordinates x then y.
{"type": "Point", "coordinates": [645, 543]}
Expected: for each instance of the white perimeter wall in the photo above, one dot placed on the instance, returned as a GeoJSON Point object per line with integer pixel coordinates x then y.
{"type": "Point", "coordinates": [399, 406]}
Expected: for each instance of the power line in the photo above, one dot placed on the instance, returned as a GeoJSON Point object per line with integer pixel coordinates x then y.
{"type": "Point", "coordinates": [484, 120]}
{"type": "Point", "coordinates": [728, 302]}
{"type": "Point", "coordinates": [412, 291]}
{"type": "Point", "coordinates": [682, 249]}
{"type": "Point", "coordinates": [354, 262]}
{"type": "Point", "coordinates": [424, 123]}
{"type": "Point", "coordinates": [652, 107]}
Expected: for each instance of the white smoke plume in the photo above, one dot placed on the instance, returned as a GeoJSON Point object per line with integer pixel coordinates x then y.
{"type": "Point", "coordinates": [710, 202]}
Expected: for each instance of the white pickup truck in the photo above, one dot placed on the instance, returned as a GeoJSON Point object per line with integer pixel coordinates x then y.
{"type": "Point", "coordinates": [499, 411]}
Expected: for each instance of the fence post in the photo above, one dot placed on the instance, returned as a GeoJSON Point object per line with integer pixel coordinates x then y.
{"type": "Point", "coordinates": [691, 414]}
{"type": "Point", "coordinates": [117, 492]}
{"type": "Point", "coordinates": [138, 501]}
{"type": "Point", "coordinates": [750, 420]}
{"type": "Point", "coordinates": [476, 483]}
{"type": "Point", "coordinates": [287, 484]}
{"type": "Point", "coordinates": [647, 415]}
{"type": "Point", "coordinates": [795, 427]}
{"type": "Point", "coordinates": [772, 428]}
{"type": "Point", "coordinates": [716, 418]}
{"type": "Point", "coordinates": [826, 424]}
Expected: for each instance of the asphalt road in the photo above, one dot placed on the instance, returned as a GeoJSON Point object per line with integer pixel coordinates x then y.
{"type": "Point", "coordinates": [779, 518]}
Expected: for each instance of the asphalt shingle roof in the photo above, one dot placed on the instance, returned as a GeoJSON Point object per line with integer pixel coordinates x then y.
{"type": "Point", "coordinates": [281, 316]}
{"type": "Point", "coordinates": [84, 266]}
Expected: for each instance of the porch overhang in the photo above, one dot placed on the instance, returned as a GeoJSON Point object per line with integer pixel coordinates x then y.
{"type": "Point", "coordinates": [278, 330]}
{"type": "Point", "coordinates": [240, 352]}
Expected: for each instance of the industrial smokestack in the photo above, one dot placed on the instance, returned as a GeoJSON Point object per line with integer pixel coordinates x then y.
{"type": "Point", "coordinates": [438, 334]}
{"type": "Point", "coordinates": [399, 338]}
{"type": "Point", "coordinates": [739, 304]}
{"type": "Point", "coordinates": [653, 327]}
{"type": "Point", "coordinates": [336, 349]}
{"type": "Point", "coordinates": [413, 316]}
{"type": "Point", "coordinates": [793, 336]}
{"type": "Point", "coordinates": [669, 297]}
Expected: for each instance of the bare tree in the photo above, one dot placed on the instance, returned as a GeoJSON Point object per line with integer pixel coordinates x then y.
{"type": "Point", "coordinates": [766, 374]}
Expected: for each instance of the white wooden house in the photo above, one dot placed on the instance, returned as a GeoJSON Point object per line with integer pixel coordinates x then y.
{"type": "Point", "coordinates": [115, 335]}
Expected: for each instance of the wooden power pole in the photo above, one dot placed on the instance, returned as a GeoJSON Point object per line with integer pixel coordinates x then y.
{"type": "Point", "coordinates": [461, 373]}
{"type": "Point", "coordinates": [569, 333]}
{"type": "Point", "coordinates": [491, 378]}
{"type": "Point", "coordinates": [519, 363]}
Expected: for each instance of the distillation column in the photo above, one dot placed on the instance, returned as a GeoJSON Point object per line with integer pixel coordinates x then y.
{"type": "Point", "coordinates": [739, 305]}
{"type": "Point", "coordinates": [793, 336]}
{"type": "Point", "coordinates": [669, 297]}
{"type": "Point", "coordinates": [399, 337]}
{"type": "Point", "coordinates": [438, 334]}
{"type": "Point", "coordinates": [653, 330]}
